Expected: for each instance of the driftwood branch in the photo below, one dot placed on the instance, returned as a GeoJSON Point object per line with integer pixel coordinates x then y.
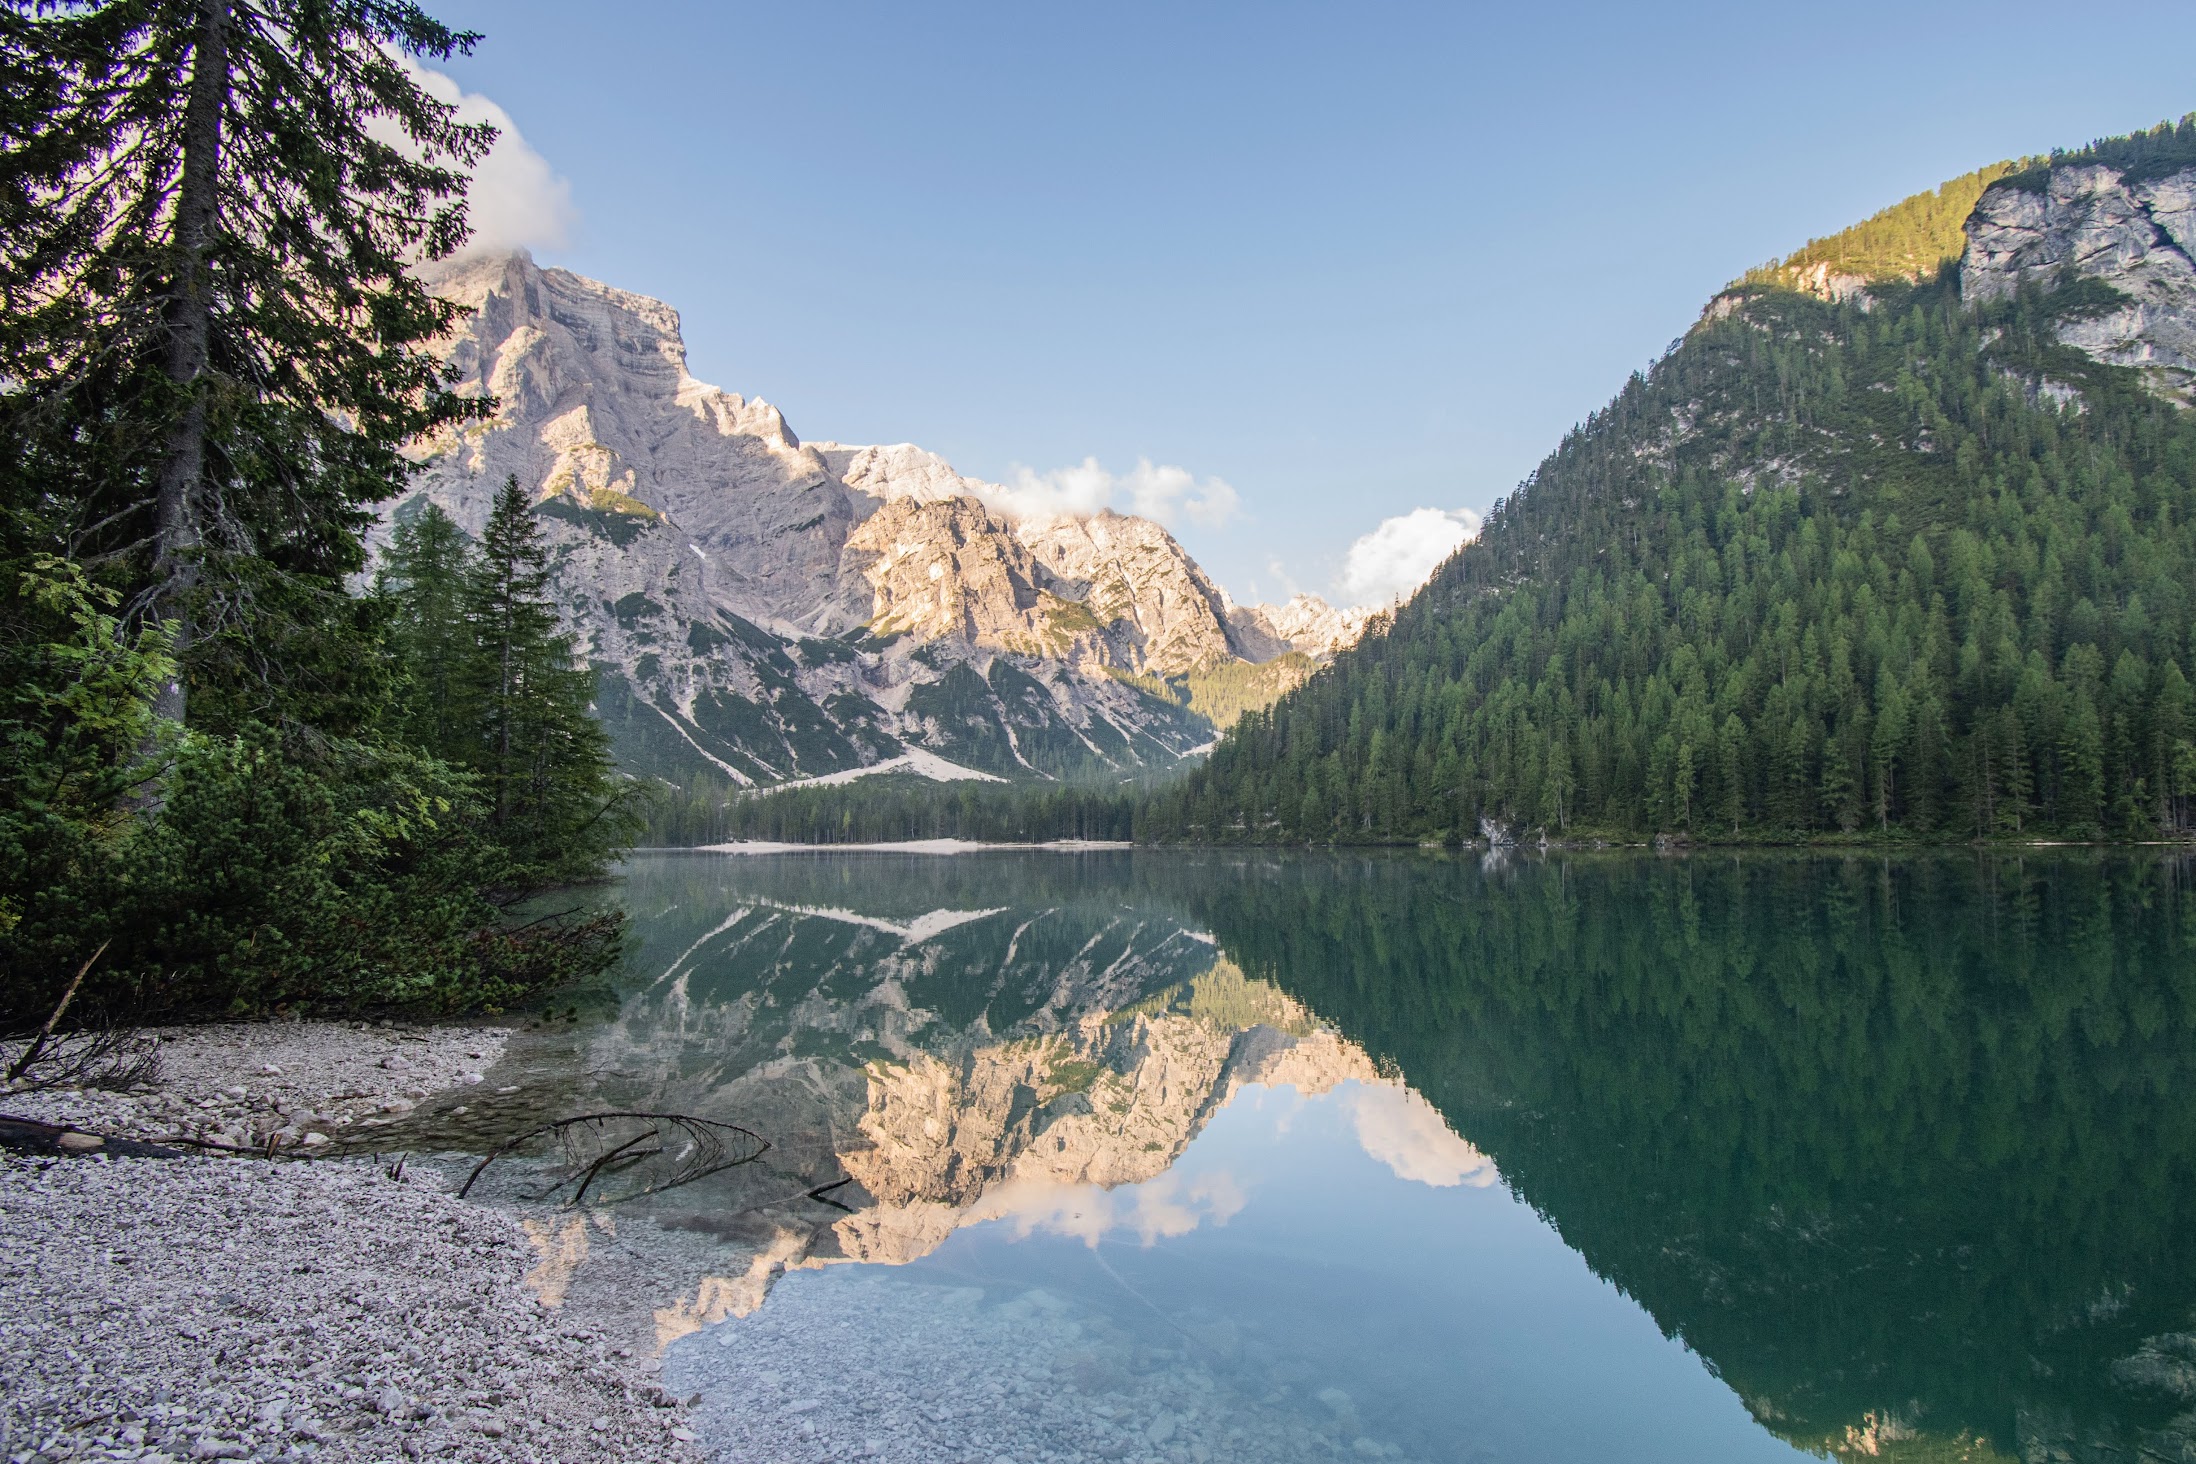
{"type": "Point", "coordinates": [596, 1145]}
{"type": "Point", "coordinates": [29, 1136]}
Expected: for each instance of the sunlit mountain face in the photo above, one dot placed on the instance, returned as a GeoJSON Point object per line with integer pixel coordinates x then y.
{"type": "Point", "coordinates": [1747, 1155]}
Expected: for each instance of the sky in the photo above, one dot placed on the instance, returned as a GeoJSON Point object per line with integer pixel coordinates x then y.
{"type": "Point", "coordinates": [1313, 284]}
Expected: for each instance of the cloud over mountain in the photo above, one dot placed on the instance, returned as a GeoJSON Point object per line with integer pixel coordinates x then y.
{"type": "Point", "coordinates": [1398, 556]}
{"type": "Point", "coordinates": [1166, 494]}
{"type": "Point", "coordinates": [517, 200]}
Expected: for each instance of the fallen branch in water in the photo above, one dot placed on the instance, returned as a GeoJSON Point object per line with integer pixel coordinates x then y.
{"type": "Point", "coordinates": [598, 1145]}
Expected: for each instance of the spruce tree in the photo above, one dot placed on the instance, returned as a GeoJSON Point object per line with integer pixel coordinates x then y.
{"type": "Point", "coordinates": [1936, 604]}
{"type": "Point", "coordinates": [213, 346]}
{"type": "Point", "coordinates": [423, 580]}
{"type": "Point", "coordinates": [554, 796]}
{"type": "Point", "coordinates": [213, 351]}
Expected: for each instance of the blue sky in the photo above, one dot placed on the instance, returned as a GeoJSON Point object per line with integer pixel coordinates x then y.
{"type": "Point", "coordinates": [1350, 261]}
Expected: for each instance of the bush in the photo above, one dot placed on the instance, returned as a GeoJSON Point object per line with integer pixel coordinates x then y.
{"type": "Point", "coordinates": [332, 876]}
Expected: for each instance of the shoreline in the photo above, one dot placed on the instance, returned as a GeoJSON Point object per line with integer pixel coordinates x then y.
{"type": "Point", "coordinates": [903, 846]}
{"type": "Point", "coordinates": [326, 1306]}
{"type": "Point", "coordinates": [1477, 847]}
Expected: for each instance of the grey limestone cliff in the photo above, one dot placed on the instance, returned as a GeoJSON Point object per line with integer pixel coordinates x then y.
{"type": "Point", "coordinates": [768, 610]}
{"type": "Point", "coordinates": [2135, 234]}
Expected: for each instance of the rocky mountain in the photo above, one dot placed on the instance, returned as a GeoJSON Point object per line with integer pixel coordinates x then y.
{"type": "Point", "coordinates": [1896, 537]}
{"type": "Point", "coordinates": [2123, 227]}
{"type": "Point", "coordinates": [1306, 624]}
{"type": "Point", "coordinates": [765, 610]}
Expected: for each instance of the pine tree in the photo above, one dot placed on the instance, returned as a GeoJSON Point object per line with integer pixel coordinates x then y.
{"type": "Point", "coordinates": [213, 351]}
{"type": "Point", "coordinates": [423, 578]}
{"type": "Point", "coordinates": [1937, 605]}
{"type": "Point", "coordinates": [553, 794]}
{"type": "Point", "coordinates": [214, 348]}
{"type": "Point", "coordinates": [1732, 756]}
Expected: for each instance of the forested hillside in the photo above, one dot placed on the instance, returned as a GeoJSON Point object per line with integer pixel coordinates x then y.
{"type": "Point", "coordinates": [1895, 566]}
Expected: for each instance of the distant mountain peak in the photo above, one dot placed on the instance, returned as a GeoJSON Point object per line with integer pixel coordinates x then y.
{"type": "Point", "coordinates": [770, 610]}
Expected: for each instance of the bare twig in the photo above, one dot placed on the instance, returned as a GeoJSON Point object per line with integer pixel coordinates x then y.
{"type": "Point", "coordinates": [118, 1059]}
{"type": "Point", "coordinates": [37, 1045]}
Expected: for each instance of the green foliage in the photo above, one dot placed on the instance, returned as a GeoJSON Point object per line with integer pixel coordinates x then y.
{"type": "Point", "coordinates": [1824, 570]}
{"type": "Point", "coordinates": [553, 795]}
{"type": "Point", "coordinates": [332, 876]}
{"type": "Point", "coordinates": [490, 686]}
{"type": "Point", "coordinates": [1906, 241]}
{"type": "Point", "coordinates": [2138, 156]}
{"type": "Point", "coordinates": [423, 579]}
{"type": "Point", "coordinates": [690, 812]}
{"type": "Point", "coordinates": [212, 352]}
{"type": "Point", "coordinates": [76, 726]}
{"type": "Point", "coordinates": [1222, 693]}
{"type": "Point", "coordinates": [276, 870]}
{"type": "Point", "coordinates": [212, 345]}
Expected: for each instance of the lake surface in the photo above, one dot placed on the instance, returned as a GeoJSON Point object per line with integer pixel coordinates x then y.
{"type": "Point", "coordinates": [1195, 1156]}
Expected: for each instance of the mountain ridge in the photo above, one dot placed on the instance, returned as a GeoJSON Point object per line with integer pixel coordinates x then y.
{"type": "Point", "coordinates": [1907, 559]}
{"type": "Point", "coordinates": [762, 610]}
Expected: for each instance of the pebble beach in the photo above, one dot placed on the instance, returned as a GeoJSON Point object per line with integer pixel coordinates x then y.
{"type": "Point", "coordinates": [308, 1308]}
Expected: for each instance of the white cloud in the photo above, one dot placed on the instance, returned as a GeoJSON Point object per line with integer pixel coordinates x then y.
{"type": "Point", "coordinates": [1405, 1132]}
{"type": "Point", "coordinates": [517, 200]}
{"type": "Point", "coordinates": [1398, 557]}
{"type": "Point", "coordinates": [1159, 1208]}
{"type": "Point", "coordinates": [1166, 494]}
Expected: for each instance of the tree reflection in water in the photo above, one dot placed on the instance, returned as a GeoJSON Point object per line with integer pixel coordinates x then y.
{"type": "Point", "coordinates": [1899, 1146]}
{"type": "Point", "coordinates": [1903, 1147]}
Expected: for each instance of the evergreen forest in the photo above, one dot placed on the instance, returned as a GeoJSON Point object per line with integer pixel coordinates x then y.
{"type": "Point", "coordinates": [1887, 568]}
{"type": "Point", "coordinates": [235, 776]}
{"type": "Point", "coordinates": [893, 807]}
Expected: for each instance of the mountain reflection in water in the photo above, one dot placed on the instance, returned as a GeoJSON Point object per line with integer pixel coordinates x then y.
{"type": "Point", "coordinates": [1900, 1148]}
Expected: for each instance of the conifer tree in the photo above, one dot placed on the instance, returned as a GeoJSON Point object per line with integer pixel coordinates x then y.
{"type": "Point", "coordinates": [213, 346]}
{"type": "Point", "coordinates": [554, 796]}
{"type": "Point", "coordinates": [1829, 570]}
{"type": "Point", "coordinates": [213, 351]}
{"type": "Point", "coordinates": [423, 579]}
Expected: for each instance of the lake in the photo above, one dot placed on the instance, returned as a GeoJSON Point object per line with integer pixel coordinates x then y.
{"type": "Point", "coordinates": [1194, 1156]}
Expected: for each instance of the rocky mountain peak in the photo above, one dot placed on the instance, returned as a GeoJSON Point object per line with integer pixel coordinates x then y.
{"type": "Point", "coordinates": [768, 610]}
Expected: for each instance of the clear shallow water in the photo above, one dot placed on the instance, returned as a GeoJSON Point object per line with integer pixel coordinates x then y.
{"type": "Point", "coordinates": [1414, 1158]}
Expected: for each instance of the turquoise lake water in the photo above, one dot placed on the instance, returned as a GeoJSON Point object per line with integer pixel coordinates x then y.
{"type": "Point", "coordinates": [1189, 1156]}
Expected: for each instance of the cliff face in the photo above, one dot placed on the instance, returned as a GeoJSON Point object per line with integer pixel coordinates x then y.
{"type": "Point", "coordinates": [768, 609]}
{"type": "Point", "coordinates": [2135, 234]}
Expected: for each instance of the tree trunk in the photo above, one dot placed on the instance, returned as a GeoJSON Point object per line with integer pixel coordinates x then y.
{"type": "Point", "coordinates": [189, 320]}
